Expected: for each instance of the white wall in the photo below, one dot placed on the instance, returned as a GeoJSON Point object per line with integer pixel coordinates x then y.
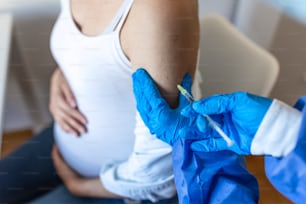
{"type": "Point", "coordinates": [254, 18]}
{"type": "Point", "coordinates": [223, 7]}
{"type": "Point", "coordinates": [31, 63]}
{"type": "Point", "coordinates": [289, 46]}
{"type": "Point", "coordinates": [282, 36]}
{"type": "Point", "coordinates": [258, 21]}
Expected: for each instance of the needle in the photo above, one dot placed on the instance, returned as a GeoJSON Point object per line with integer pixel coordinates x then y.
{"type": "Point", "coordinates": [211, 122]}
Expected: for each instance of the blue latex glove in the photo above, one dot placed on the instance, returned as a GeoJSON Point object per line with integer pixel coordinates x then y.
{"type": "Point", "coordinates": [239, 115]}
{"type": "Point", "coordinates": [158, 116]}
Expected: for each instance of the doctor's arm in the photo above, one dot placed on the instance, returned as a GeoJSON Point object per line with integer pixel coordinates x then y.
{"type": "Point", "coordinates": [260, 126]}
{"type": "Point", "coordinates": [288, 173]}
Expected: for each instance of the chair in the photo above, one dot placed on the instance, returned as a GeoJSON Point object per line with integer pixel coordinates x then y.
{"type": "Point", "coordinates": [231, 62]}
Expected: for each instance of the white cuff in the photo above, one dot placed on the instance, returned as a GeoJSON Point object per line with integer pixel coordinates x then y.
{"type": "Point", "coordinates": [277, 134]}
{"type": "Point", "coordinates": [147, 174]}
{"type": "Point", "coordinates": [153, 191]}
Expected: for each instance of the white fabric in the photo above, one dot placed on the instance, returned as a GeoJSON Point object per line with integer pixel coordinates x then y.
{"type": "Point", "coordinates": [99, 75]}
{"type": "Point", "coordinates": [196, 89]}
{"type": "Point", "coordinates": [277, 134]}
{"type": "Point", "coordinates": [150, 157]}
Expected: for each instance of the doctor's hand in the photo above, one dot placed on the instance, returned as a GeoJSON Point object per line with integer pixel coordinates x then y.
{"type": "Point", "coordinates": [156, 113]}
{"type": "Point", "coordinates": [239, 115]}
{"type": "Point", "coordinates": [63, 106]}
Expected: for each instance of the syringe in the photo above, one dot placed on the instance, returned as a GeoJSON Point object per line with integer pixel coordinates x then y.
{"type": "Point", "coordinates": [211, 122]}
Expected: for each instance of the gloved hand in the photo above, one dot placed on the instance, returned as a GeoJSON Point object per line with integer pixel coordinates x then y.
{"type": "Point", "coordinates": [239, 116]}
{"type": "Point", "coordinates": [159, 117]}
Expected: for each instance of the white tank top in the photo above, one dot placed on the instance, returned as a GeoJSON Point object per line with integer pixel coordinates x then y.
{"type": "Point", "coordinates": [100, 77]}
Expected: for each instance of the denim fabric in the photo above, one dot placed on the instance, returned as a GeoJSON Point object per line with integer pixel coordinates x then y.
{"type": "Point", "coordinates": [28, 175]}
{"type": "Point", "coordinates": [28, 172]}
{"type": "Point", "coordinates": [62, 196]}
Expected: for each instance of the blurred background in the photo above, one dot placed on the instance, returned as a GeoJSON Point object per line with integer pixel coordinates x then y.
{"type": "Point", "coordinates": [31, 65]}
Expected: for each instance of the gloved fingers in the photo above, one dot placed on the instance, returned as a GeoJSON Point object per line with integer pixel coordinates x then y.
{"type": "Point", "coordinates": [191, 133]}
{"type": "Point", "coordinates": [146, 90]}
{"type": "Point", "coordinates": [142, 82]}
{"type": "Point", "coordinates": [185, 133]}
{"type": "Point", "coordinates": [143, 105]}
{"type": "Point", "coordinates": [138, 89]}
{"type": "Point", "coordinates": [201, 121]}
{"type": "Point", "coordinates": [263, 101]}
{"type": "Point", "coordinates": [210, 145]}
{"type": "Point", "coordinates": [189, 112]}
{"type": "Point", "coordinates": [147, 97]}
{"type": "Point", "coordinates": [216, 104]}
{"type": "Point", "coordinates": [202, 124]}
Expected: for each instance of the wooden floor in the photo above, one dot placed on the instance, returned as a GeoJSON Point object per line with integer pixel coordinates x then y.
{"type": "Point", "coordinates": [268, 195]}
{"type": "Point", "coordinates": [12, 140]}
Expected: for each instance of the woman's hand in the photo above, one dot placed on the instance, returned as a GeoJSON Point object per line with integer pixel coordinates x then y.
{"type": "Point", "coordinates": [76, 184]}
{"type": "Point", "coordinates": [69, 177]}
{"type": "Point", "coordinates": [63, 106]}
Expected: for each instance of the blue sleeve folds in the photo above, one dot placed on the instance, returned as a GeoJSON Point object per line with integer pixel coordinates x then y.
{"type": "Point", "coordinates": [288, 174]}
{"type": "Point", "coordinates": [219, 177]}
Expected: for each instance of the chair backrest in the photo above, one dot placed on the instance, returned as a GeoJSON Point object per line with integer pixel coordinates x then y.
{"type": "Point", "coordinates": [231, 62]}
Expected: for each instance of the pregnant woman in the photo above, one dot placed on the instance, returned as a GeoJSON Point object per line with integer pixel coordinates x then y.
{"type": "Point", "coordinates": [102, 151]}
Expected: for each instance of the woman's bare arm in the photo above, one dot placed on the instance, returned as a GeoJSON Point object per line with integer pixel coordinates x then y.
{"type": "Point", "coordinates": [162, 36]}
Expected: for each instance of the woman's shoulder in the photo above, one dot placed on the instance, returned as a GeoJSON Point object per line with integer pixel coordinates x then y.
{"type": "Point", "coordinates": [159, 22]}
{"type": "Point", "coordinates": [166, 8]}
{"type": "Point", "coordinates": [165, 14]}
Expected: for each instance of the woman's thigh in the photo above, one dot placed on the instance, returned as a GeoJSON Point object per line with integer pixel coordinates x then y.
{"type": "Point", "coordinates": [28, 172]}
{"type": "Point", "coordinates": [62, 195]}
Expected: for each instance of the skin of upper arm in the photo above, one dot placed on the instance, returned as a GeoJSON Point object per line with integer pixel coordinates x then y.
{"type": "Point", "coordinates": [163, 37]}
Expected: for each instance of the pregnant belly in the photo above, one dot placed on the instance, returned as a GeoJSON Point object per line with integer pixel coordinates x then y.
{"type": "Point", "coordinates": [102, 144]}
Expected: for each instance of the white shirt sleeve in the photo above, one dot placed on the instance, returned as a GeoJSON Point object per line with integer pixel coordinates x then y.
{"type": "Point", "coordinates": [277, 134]}
{"type": "Point", "coordinates": [147, 174]}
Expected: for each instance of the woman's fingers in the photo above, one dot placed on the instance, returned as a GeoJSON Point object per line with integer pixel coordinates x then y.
{"type": "Point", "coordinates": [62, 168]}
{"type": "Point", "coordinates": [69, 129]}
{"type": "Point", "coordinates": [62, 120]}
{"type": "Point", "coordinates": [72, 112]}
{"type": "Point", "coordinates": [63, 106]}
{"type": "Point", "coordinates": [69, 95]}
{"type": "Point", "coordinates": [74, 124]}
{"type": "Point", "coordinates": [72, 120]}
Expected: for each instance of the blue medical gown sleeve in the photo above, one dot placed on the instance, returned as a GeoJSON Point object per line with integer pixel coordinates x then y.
{"type": "Point", "coordinates": [288, 174]}
{"type": "Point", "coordinates": [219, 177]}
